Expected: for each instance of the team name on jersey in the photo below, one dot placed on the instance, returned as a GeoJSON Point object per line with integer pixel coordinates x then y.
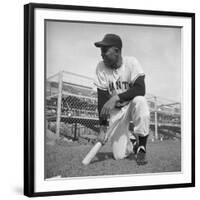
{"type": "Point", "coordinates": [118, 85]}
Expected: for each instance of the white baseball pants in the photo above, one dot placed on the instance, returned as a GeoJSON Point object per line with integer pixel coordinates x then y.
{"type": "Point", "coordinates": [118, 132]}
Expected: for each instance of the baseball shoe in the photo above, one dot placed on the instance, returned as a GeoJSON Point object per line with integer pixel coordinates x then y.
{"type": "Point", "coordinates": [141, 156]}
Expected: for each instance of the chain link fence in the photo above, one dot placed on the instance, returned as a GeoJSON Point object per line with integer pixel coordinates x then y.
{"type": "Point", "coordinates": [71, 110]}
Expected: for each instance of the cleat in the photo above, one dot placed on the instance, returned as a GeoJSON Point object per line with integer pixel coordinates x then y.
{"type": "Point", "coordinates": [141, 156]}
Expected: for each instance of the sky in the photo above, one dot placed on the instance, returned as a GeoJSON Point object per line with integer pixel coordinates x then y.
{"type": "Point", "coordinates": [70, 47]}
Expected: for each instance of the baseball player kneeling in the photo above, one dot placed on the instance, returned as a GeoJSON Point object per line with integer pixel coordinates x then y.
{"type": "Point", "coordinates": [121, 89]}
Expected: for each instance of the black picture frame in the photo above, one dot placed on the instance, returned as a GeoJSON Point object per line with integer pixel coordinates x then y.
{"type": "Point", "coordinates": [29, 97]}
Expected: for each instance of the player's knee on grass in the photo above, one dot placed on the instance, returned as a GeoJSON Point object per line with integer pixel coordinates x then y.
{"type": "Point", "coordinates": [118, 156]}
{"type": "Point", "coordinates": [120, 147]}
{"type": "Point", "coordinates": [122, 155]}
{"type": "Point", "coordinates": [118, 152]}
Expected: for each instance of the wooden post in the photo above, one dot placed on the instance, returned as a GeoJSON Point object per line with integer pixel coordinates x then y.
{"type": "Point", "coordinates": [156, 117]}
{"type": "Point", "coordinates": [75, 131]}
{"type": "Point", "coordinates": [59, 102]}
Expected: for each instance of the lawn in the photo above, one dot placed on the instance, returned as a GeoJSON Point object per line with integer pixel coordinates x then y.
{"type": "Point", "coordinates": [63, 158]}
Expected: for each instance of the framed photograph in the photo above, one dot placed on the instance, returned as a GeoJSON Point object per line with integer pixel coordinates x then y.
{"type": "Point", "coordinates": [108, 99]}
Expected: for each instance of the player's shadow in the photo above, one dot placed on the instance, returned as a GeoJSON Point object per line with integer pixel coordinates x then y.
{"type": "Point", "coordinates": [131, 157]}
{"type": "Point", "coordinates": [101, 156]}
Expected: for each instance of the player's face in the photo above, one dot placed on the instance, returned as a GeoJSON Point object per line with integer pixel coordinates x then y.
{"type": "Point", "coordinates": [110, 56]}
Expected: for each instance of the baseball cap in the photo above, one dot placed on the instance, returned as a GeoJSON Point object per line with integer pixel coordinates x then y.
{"type": "Point", "coordinates": [110, 40]}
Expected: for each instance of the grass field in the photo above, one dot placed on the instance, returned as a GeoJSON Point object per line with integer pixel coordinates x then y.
{"type": "Point", "coordinates": [63, 158]}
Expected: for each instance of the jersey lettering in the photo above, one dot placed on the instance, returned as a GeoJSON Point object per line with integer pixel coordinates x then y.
{"type": "Point", "coordinates": [111, 86]}
{"type": "Point", "coordinates": [125, 83]}
{"type": "Point", "coordinates": [118, 85]}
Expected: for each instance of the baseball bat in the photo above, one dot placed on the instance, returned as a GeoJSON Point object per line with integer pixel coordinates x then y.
{"type": "Point", "coordinates": [91, 154]}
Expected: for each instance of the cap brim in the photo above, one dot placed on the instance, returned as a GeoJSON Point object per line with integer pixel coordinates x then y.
{"type": "Point", "coordinates": [101, 44]}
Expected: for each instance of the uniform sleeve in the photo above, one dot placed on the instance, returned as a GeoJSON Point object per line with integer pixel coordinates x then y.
{"type": "Point", "coordinates": [100, 80]}
{"type": "Point", "coordinates": [136, 89]}
{"type": "Point", "coordinates": [136, 70]}
{"type": "Point", "coordinates": [103, 97]}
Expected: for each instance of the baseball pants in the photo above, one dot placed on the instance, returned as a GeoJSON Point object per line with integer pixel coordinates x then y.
{"type": "Point", "coordinates": [118, 131]}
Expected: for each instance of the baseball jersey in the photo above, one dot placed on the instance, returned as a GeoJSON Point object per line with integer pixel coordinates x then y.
{"type": "Point", "coordinates": [117, 81]}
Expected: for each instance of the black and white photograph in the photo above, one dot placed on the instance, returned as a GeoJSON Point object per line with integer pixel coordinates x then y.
{"type": "Point", "coordinates": [112, 93]}
{"type": "Point", "coordinates": [115, 85]}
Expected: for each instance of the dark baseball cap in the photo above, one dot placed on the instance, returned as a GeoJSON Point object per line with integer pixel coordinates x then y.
{"type": "Point", "coordinates": [110, 40]}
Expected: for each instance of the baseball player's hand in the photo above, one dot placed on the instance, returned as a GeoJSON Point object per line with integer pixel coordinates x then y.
{"type": "Point", "coordinates": [103, 137]}
{"type": "Point", "coordinates": [121, 104]}
{"type": "Point", "coordinates": [108, 106]}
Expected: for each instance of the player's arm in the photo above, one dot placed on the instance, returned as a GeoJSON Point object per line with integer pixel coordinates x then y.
{"type": "Point", "coordinates": [136, 89]}
{"type": "Point", "coordinates": [103, 96]}
{"type": "Point", "coordinates": [108, 106]}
